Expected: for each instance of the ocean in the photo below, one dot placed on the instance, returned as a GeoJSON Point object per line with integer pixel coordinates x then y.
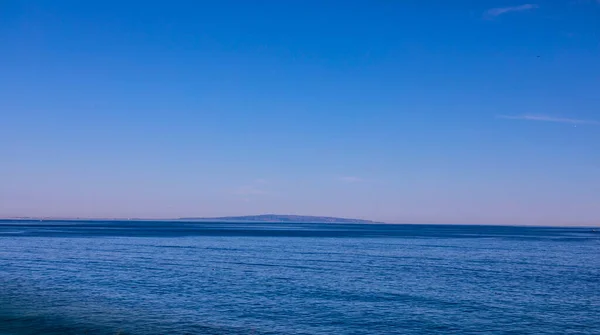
{"type": "Point", "coordinates": [134, 277]}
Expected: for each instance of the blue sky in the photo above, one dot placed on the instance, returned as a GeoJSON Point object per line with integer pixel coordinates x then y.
{"type": "Point", "coordinates": [404, 111]}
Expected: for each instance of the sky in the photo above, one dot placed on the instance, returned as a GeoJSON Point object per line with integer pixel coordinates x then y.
{"type": "Point", "coordinates": [475, 112]}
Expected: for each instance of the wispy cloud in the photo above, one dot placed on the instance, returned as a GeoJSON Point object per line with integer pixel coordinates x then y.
{"type": "Point", "coordinates": [249, 190]}
{"type": "Point", "coordinates": [504, 10]}
{"type": "Point", "coordinates": [547, 118]}
{"type": "Point", "coordinates": [350, 179]}
{"type": "Point", "coordinates": [253, 188]}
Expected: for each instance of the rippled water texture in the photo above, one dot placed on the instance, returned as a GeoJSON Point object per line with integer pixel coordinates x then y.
{"type": "Point", "coordinates": [224, 278]}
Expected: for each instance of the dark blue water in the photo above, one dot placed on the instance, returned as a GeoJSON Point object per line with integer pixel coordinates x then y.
{"type": "Point", "coordinates": [224, 278]}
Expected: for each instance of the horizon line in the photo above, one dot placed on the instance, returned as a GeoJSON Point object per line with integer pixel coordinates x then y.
{"type": "Point", "coordinates": [50, 218]}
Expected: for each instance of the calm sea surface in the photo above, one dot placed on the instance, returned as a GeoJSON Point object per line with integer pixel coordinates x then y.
{"type": "Point", "coordinates": [255, 278]}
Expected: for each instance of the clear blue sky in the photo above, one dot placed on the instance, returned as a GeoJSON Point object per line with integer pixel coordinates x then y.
{"type": "Point", "coordinates": [403, 111]}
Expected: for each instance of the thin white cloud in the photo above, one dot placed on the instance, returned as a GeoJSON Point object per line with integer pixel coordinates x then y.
{"type": "Point", "coordinates": [350, 179]}
{"type": "Point", "coordinates": [546, 118]}
{"type": "Point", "coordinates": [249, 190]}
{"type": "Point", "coordinates": [253, 188]}
{"type": "Point", "coordinates": [504, 10]}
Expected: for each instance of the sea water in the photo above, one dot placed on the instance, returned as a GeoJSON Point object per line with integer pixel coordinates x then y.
{"type": "Point", "coordinates": [267, 278]}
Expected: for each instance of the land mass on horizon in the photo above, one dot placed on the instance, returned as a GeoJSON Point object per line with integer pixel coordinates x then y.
{"type": "Point", "coordinates": [245, 218]}
{"type": "Point", "coordinates": [282, 218]}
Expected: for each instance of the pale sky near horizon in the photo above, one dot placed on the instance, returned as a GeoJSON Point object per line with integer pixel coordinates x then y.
{"type": "Point", "coordinates": [413, 111]}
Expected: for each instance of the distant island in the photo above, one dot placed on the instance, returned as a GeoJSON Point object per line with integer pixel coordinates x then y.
{"type": "Point", "coordinates": [245, 218]}
{"type": "Point", "coordinates": [282, 218]}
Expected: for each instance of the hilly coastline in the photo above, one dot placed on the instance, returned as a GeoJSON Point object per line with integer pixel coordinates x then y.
{"type": "Point", "coordinates": [245, 218]}
{"type": "Point", "coordinates": [283, 218]}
